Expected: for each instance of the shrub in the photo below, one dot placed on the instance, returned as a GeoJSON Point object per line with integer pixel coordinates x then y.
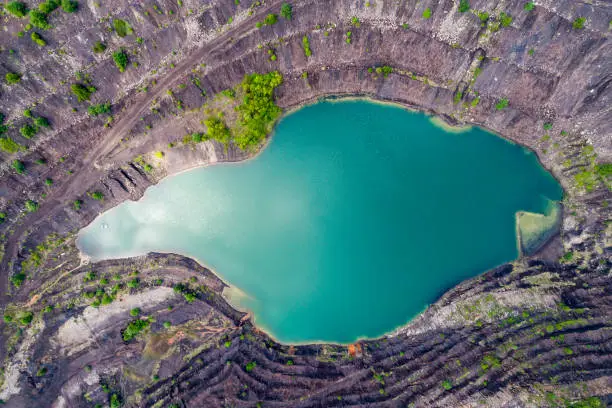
{"type": "Point", "coordinates": [122, 28]}
{"type": "Point", "coordinates": [530, 5]}
{"type": "Point", "coordinates": [501, 104]}
{"type": "Point", "coordinates": [306, 45]}
{"type": "Point", "coordinates": [9, 145]}
{"type": "Point", "coordinates": [548, 126]}
{"type": "Point", "coordinates": [99, 109]}
{"type": "Point", "coordinates": [28, 131]}
{"type": "Point", "coordinates": [447, 384]}
{"type": "Point", "coordinates": [37, 38]}
{"type": "Point", "coordinates": [258, 24]}
{"type": "Point", "coordinates": [270, 19]}
{"type": "Point", "coordinates": [250, 366]}
{"type": "Point", "coordinates": [286, 11]}
{"type": "Point", "coordinates": [355, 21]}
{"type": "Point", "coordinates": [39, 20]}
{"type": "Point", "coordinates": [12, 78]}
{"type": "Point", "coordinates": [464, 5]}
{"type": "Point", "coordinates": [217, 130]}
{"type": "Point", "coordinates": [18, 166]}
{"type": "Point", "coordinates": [505, 19]}
{"type": "Point", "coordinates": [70, 6]}
{"type": "Point", "coordinates": [121, 59]}
{"type": "Point", "coordinates": [42, 122]}
{"type": "Point", "coordinates": [31, 206]}
{"type": "Point", "coordinates": [115, 401]}
{"type": "Point", "coordinates": [483, 16]}
{"type": "Point", "coordinates": [41, 371]}
{"type": "Point", "coordinates": [26, 318]}
{"type": "Point", "coordinates": [17, 279]}
{"type": "Point", "coordinates": [49, 182]}
{"type": "Point", "coordinates": [167, 325]}
{"type": "Point", "coordinates": [82, 92]}
{"type": "Point", "coordinates": [578, 23]}
{"type": "Point", "coordinates": [2, 217]}
{"type": "Point", "coordinates": [604, 170]}
{"type": "Point", "coordinates": [17, 8]}
{"type": "Point", "coordinates": [97, 195]}
{"type": "Point", "coordinates": [48, 6]}
{"type": "Point", "coordinates": [135, 311]}
{"type": "Point", "coordinates": [427, 13]}
{"type": "Point", "coordinates": [134, 328]}
{"type": "Point", "coordinates": [76, 204]}
{"type": "Point", "coordinates": [134, 283]}
{"type": "Point", "coordinates": [99, 47]}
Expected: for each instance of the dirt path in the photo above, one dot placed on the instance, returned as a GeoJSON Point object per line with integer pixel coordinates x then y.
{"type": "Point", "coordinates": [86, 172]}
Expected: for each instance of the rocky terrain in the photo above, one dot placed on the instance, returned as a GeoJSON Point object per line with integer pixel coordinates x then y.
{"type": "Point", "coordinates": [156, 330]}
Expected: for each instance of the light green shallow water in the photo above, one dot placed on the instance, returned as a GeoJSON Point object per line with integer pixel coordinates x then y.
{"type": "Point", "coordinates": [353, 219]}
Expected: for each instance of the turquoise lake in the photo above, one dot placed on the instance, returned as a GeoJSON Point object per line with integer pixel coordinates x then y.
{"type": "Point", "coordinates": [351, 221]}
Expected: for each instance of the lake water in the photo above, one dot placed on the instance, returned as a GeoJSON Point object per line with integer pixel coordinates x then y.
{"type": "Point", "coordinates": [354, 218]}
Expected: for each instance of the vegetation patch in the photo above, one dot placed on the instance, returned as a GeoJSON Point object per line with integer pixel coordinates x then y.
{"type": "Point", "coordinates": [82, 92]}
{"type": "Point", "coordinates": [122, 27]}
{"type": "Point", "coordinates": [306, 46]}
{"type": "Point", "coordinates": [121, 59]}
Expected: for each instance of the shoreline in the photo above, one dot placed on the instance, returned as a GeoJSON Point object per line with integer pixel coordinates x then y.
{"type": "Point", "coordinates": [232, 293]}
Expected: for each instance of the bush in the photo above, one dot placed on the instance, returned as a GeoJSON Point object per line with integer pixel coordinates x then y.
{"type": "Point", "coordinates": [115, 401]}
{"type": "Point", "coordinates": [97, 195]}
{"type": "Point", "coordinates": [12, 78]}
{"type": "Point", "coordinates": [99, 109]}
{"type": "Point", "coordinates": [270, 19]}
{"type": "Point", "coordinates": [28, 131]}
{"type": "Point", "coordinates": [99, 47]}
{"type": "Point", "coordinates": [42, 122]}
{"type": "Point", "coordinates": [17, 279]}
{"type": "Point", "coordinates": [505, 19]}
{"type": "Point", "coordinates": [31, 206]}
{"type": "Point", "coordinates": [9, 145]}
{"type": "Point", "coordinates": [217, 130]}
{"type": "Point", "coordinates": [17, 8]}
{"type": "Point", "coordinates": [38, 39]}
{"type": "Point", "coordinates": [48, 6]}
{"type": "Point", "coordinates": [18, 166]}
{"type": "Point", "coordinates": [529, 6]}
{"type": "Point", "coordinates": [447, 384]}
{"type": "Point", "coordinates": [134, 328]}
{"type": "Point", "coordinates": [122, 28]}
{"type": "Point", "coordinates": [501, 104]}
{"type": "Point", "coordinates": [286, 11]}
{"type": "Point", "coordinates": [49, 182]}
{"type": "Point", "coordinates": [483, 16]}
{"type": "Point", "coordinates": [39, 20]}
{"type": "Point", "coordinates": [76, 204]}
{"type": "Point", "coordinates": [306, 45]}
{"type": "Point", "coordinates": [427, 13]}
{"type": "Point", "coordinates": [250, 366]}
{"type": "Point", "coordinates": [464, 5]}
{"type": "Point", "coordinates": [121, 59]}
{"type": "Point", "coordinates": [2, 217]}
{"type": "Point", "coordinates": [26, 318]}
{"type": "Point", "coordinates": [135, 311]}
{"type": "Point", "coordinates": [82, 92]}
{"type": "Point", "coordinates": [355, 22]}
{"type": "Point", "coordinates": [167, 325]}
{"type": "Point", "coordinates": [41, 371]}
{"type": "Point", "coordinates": [578, 23]}
{"type": "Point", "coordinates": [70, 6]}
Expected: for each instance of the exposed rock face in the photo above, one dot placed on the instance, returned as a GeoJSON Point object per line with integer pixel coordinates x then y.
{"type": "Point", "coordinates": [537, 327]}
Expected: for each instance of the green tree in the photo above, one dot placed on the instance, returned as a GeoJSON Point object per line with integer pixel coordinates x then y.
{"type": "Point", "coordinates": [270, 19]}
{"type": "Point", "coordinates": [12, 78]}
{"type": "Point", "coordinates": [135, 312]}
{"type": "Point", "coordinates": [286, 11]}
{"type": "Point", "coordinates": [501, 104]}
{"type": "Point", "coordinates": [99, 47]}
{"type": "Point", "coordinates": [122, 28]}
{"type": "Point", "coordinates": [17, 8]}
{"type": "Point", "coordinates": [427, 13]}
{"type": "Point", "coordinates": [578, 23]}
{"type": "Point", "coordinates": [464, 5]}
{"type": "Point", "coordinates": [134, 328]}
{"type": "Point", "coordinates": [82, 92]}
{"type": "Point", "coordinates": [37, 38]}
{"type": "Point", "coordinates": [39, 20]}
{"type": "Point", "coordinates": [42, 122]}
{"type": "Point", "coordinates": [99, 109]}
{"type": "Point", "coordinates": [28, 131]}
{"type": "Point", "coordinates": [530, 5]}
{"type": "Point", "coordinates": [70, 6]}
{"type": "Point", "coordinates": [19, 166]}
{"type": "Point", "coordinates": [48, 6]}
{"type": "Point", "coordinates": [97, 195]}
{"type": "Point", "coordinates": [217, 130]}
{"type": "Point", "coordinates": [31, 206]}
{"type": "Point", "coordinates": [306, 45]}
{"type": "Point", "coordinates": [121, 59]}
